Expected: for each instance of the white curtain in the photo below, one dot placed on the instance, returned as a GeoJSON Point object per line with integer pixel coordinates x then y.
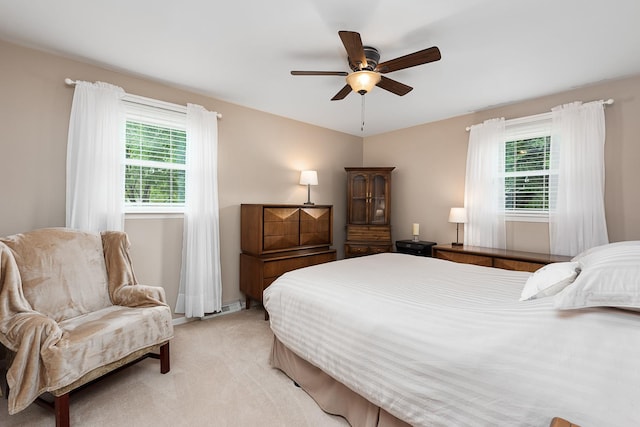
{"type": "Point", "coordinates": [95, 153]}
{"type": "Point", "coordinates": [576, 185]}
{"type": "Point", "coordinates": [200, 279]}
{"type": "Point", "coordinates": [484, 186]}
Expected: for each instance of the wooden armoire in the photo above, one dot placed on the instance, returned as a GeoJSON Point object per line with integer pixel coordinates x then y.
{"type": "Point", "coordinates": [368, 211]}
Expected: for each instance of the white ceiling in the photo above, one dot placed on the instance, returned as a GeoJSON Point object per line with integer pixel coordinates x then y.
{"type": "Point", "coordinates": [494, 52]}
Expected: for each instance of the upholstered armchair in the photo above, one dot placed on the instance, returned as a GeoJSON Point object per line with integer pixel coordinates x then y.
{"type": "Point", "coordinates": [71, 311]}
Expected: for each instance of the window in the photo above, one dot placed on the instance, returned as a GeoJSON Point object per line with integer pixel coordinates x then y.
{"type": "Point", "coordinates": [526, 172]}
{"type": "Point", "coordinates": [155, 159]}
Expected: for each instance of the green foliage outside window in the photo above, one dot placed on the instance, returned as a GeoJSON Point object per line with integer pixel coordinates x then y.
{"type": "Point", "coordinates": [154, 165]}
{"type": "Point", "coordinates": [527, 174]}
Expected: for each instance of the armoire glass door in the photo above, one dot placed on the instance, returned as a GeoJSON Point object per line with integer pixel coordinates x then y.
{"type": "Point", "coordinates": [359, 199]}
{"type": "Point", "coordinates": [378, 200]}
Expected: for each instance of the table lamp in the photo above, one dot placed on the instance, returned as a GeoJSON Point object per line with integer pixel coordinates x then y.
{"type": "Point", "coordinates": [459, 216]}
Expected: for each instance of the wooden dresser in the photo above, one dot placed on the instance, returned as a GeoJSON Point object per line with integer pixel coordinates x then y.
{"type": "Point", "coordinates": [278, 238]}
{"type": "Point", "coordinates": [499, 258]}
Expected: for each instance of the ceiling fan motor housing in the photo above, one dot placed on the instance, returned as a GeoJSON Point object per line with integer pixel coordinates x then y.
{"type": "Point", "coordinates": [373, 57]}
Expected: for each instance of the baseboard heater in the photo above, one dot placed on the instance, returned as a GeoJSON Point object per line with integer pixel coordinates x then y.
{"type": "Point", "coordinates": [226, 309]}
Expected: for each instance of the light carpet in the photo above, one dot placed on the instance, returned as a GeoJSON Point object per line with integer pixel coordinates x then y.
{"type": "Point", "coordinates": [220, 376]}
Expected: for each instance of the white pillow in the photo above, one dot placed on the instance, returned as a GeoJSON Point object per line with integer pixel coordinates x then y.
{"type": "Point", "coordinates": [549, 280]}
{"type": "Point", "coordinates": [599, 251]}
{"type": "Point", "coordinates": [610, 277]}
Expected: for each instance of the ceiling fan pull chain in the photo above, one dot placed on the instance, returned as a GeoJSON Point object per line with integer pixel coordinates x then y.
{"type": "Point", "coordinates": [362, 116]}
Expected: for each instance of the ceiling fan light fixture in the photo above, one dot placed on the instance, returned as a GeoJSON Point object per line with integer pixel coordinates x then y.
{"type": "Point", "coordinates": [363, 81]}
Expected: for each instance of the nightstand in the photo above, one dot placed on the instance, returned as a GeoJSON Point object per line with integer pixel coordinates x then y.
{"type": "Point", "coordinates": [419, 248]}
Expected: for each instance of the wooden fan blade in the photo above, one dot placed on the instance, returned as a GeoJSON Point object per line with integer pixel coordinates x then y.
{"type": "Point", "coordinates": [394, 86]}
{"type": "Point", "coordinates": [342, 94]}
{"type": "Point", "coordinates": [353, 45]}
{"type": "Point", "coordinates": [319, 73]}
{"type": "Point", "coordinates": [411, 60]}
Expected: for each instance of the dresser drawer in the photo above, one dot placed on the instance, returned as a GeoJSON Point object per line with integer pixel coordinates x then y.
{"type": "Point", "coordinates": [367, 232]}
{"type": "Point", "coordinates": [465, 258]}
{"type": "Point", "coordinates": [258, 272]}
{"type": "Point", "coordinates": [498, 258]}
{"type": "Point", "coordinates": [379, 249]}
{"type": "Point", "coordinates": [315, 226]}
{"type": "Point", "coordinates": [512, 264]}
{"type": "Point", "coordinates": [276, 268]}
{"type": "Point", "coordinates": [281, 228]}
{"type": "Point", "coordinates": [354, 250]}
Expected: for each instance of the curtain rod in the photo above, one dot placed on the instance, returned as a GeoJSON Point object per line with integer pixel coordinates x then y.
{"type": "Point", "coordinates": [141, 100]}
{"type": "Point", "coordinates": [607, 102]}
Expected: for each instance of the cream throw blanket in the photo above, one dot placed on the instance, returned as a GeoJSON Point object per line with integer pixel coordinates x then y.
{"type": "Point", "coordinates": [70, 303]}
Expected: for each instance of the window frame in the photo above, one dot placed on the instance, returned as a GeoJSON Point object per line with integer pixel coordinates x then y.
{"type": "Point", "coordinates": [159, 113]}
{"type": "Point", "coordinates": [522, 128]}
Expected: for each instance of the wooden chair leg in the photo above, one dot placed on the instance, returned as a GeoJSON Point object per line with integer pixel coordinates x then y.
{"type": "Point", "coordinates": [165, 365]}
{"type": "Point", "coordinates": [61, 409]}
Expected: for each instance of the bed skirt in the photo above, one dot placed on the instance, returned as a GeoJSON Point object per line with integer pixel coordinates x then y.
{"type": "Point", "coordinates": [332, 396]}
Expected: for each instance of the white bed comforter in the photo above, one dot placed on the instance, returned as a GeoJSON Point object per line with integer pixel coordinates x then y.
{"type": "Point", "coordinates": [437, 343]}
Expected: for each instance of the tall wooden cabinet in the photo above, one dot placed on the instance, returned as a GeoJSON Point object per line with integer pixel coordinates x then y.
{"type": "Point", "coordinates": [278, 238]}
{"type": "Point", "coordinates": [368, 211]}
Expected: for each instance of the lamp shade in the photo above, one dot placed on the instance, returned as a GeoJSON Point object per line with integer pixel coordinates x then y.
{"type": "Point", "coordinates": [363, 81]}
{"type": "Point", "coordinates": [458, 215]}
{"type": "Point", "coordinates": [309, 178]}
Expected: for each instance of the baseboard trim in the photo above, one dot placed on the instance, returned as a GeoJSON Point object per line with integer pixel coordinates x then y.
{"type": "Point", "coordinates": [229, 308]}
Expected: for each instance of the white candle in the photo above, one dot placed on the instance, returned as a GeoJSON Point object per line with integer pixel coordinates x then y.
{"type": "Point", "coordinates": [416, 229]}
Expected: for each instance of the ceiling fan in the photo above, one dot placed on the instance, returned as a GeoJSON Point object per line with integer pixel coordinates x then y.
{"type": "Point", "coordinates": [367, 72]}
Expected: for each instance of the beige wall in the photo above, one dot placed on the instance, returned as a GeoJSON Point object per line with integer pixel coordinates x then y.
{"type": "Point", "coordinates": [260, 156]}
{"type": "Point", "coordinates": [431, 161]}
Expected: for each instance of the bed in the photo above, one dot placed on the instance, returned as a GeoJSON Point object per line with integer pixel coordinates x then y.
{"type": "Point", "coordinates": [394, 339]}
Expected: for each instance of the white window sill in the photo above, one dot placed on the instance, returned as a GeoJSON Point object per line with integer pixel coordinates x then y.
{"type": "Point", "coordinates": [526, 218]}
{"type": "Point", "coordinates": [153, 215]}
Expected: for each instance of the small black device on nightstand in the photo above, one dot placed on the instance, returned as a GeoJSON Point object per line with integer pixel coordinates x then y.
{"type": "Point", "coordinates": [419, 248]}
